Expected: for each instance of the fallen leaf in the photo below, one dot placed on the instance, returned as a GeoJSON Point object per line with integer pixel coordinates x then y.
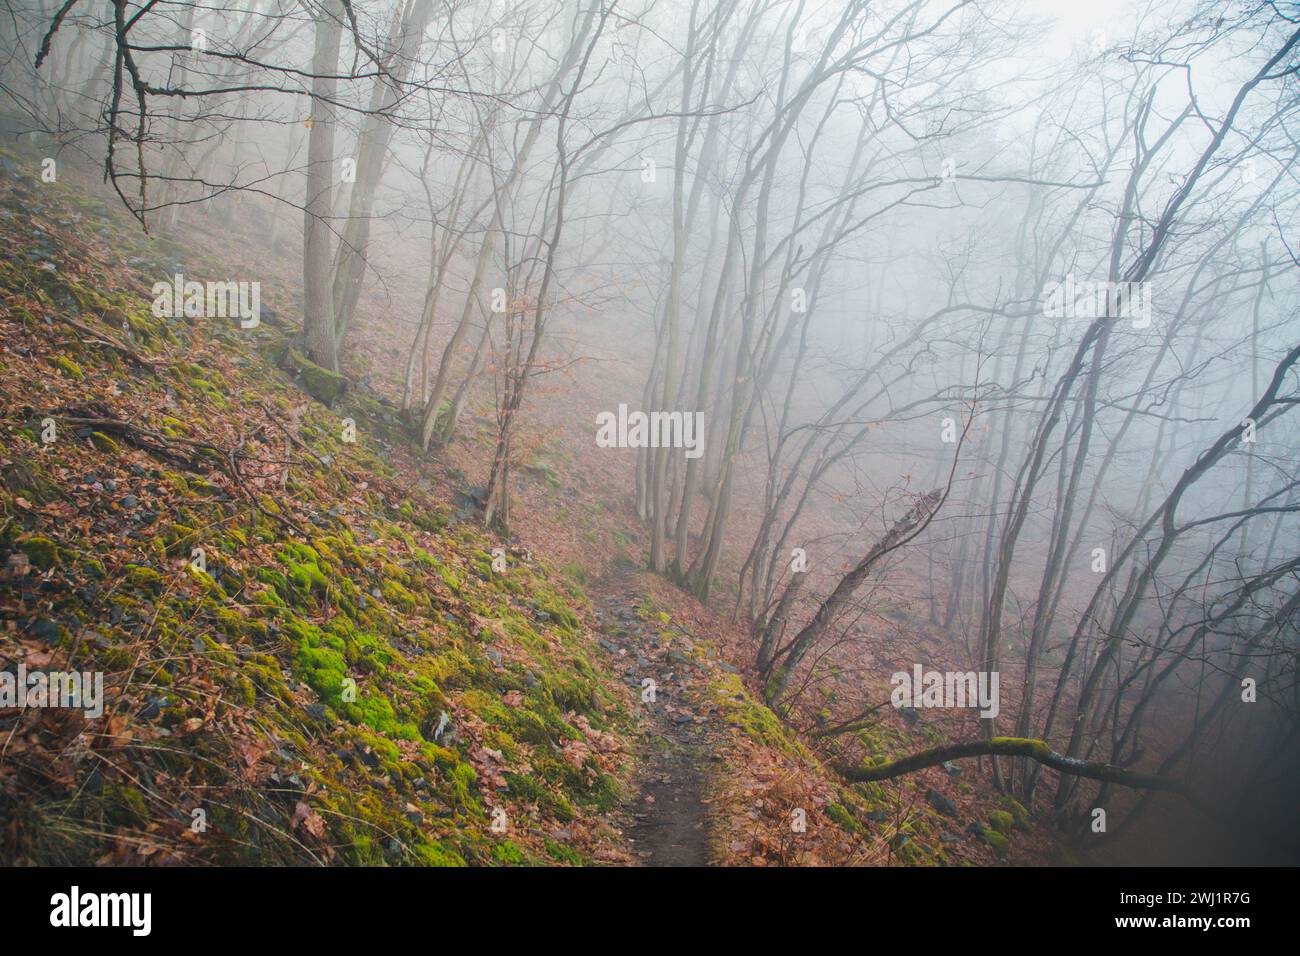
{"type": "Point", "coordinates": [309, 820]}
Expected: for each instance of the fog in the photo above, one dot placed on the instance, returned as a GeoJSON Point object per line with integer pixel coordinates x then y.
{"type": "Point", "coordinates": [988, 312]}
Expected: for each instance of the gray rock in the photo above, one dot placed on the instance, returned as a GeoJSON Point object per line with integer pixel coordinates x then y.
{"type": "Point", "coordinates": [44, 629]}
{"type": "Point", "coordinates": [941, 803]}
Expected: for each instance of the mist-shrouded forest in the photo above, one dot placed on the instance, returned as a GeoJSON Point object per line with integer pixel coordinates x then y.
{"type": "Point", "coordinates": [649, 432]}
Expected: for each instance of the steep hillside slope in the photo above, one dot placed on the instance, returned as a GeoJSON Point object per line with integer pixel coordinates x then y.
{"type": "Point", "coordinates": [305, 657]}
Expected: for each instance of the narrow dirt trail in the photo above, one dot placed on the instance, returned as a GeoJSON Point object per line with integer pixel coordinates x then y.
{"type": "Point", "coordinates": [667, 822]}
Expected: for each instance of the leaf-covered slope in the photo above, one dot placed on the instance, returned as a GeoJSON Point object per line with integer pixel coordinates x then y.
{"type": "Point", "coordinates": [306, 659]}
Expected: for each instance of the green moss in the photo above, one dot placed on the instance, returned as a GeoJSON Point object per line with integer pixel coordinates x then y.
{"type": "Point", "coordinates": [601, 792]}
{"type": "Point", "coordinates": [238, 626]}
{"type": "Point", "coordinates": [179, 539]}
{"type": "Point", "coordinates": [752, 718]}
{"type": "Point", "coordinates": [529, 727]}
{"type": "Point", "coordinates": [304, 578]}
{"type": "Point", "coordinates": [105, 444]}
{"type": "Point", "coordinates": [563, 854]}
{"type": "Point", "coordinates": [242, 689]}
{"type": "Point", "coordinates": [174, 428]}
{"type": "Point", "coordinates": [1001, 821]}
{"type": "Point", "coordinates": [148, 330]}
{"type": "Point", "coordinates": [396, 594]}
{"type": "Point", "coordinates": [508, 853]}
{"type": "Point", "coordinates": [449, 577]}
{"type": "Point", "coordinates": [530, 790]}
{"type": "Point", "coordinates": [377, 713]}
{"type": "Point", "coordinates": [146, 578]}
{"type": "Point", "coordinates": [463, 779]}
{"type": "Point", "coordinates": [41, 552]}
{"type": "Point", "coordinates": [452, 668]}
{"type": "Point", "coordinates": [321, 384]}
{"type": "Point", "coordinates": [573, 686]}
{"type": "Point", "coordinates": [280, 659]}
{"type": "Point", "coordinates": [562, 615]}
{"type": "Point", "coordinates": [28, 479]}
{"type": "Point", "coordinates": [267, 679]}
{"type": "Point", "coordinates": [124, 806]}
{"type": "Point", "coordinates": [1023, 746]}
{"type": "Point", "coordinates": [435, 854]}
{"type": "Point", "coordinates": [841, 815]}
{"type": "Point", "coordinates": [307, 579]}
{"type": "Point", "coordinates": [206, 582]}
{"type": "Point", "coordinates": [1017, 811]}
{"type": "Point", "coordinates": [69, 367]}
{"type": "Point", "coordinates": [996, 840]}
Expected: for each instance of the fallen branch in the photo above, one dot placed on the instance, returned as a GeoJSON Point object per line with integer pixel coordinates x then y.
{"type": "Point", "coordinates": [160, 446]}
{"type": "Point", "coordinates": [100, 337]}
{"type": "Point", "coordinates": [1015, 747]}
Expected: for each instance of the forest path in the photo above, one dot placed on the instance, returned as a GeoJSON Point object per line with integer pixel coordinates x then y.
{"type": "Point", "coordinates": [667, 822]}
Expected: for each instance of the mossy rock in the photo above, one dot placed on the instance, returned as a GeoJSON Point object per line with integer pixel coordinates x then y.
{"type": "Point", "coordinates": [1002, 821]}
{"type": "Point", "coordinates": [69, 367]}
{"type": "Point", "coordinates": [105, 444]}
{"type": "Point", "coordinates": [996, 840]}
{"type": "Point", "coordinates": [175, 428]}
{"type": "Point", "coordinates": [42, 552]}
{"type": "Point", "coordinates": [1017, 810]}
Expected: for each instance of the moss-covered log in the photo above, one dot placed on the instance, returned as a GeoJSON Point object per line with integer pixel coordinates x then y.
{"type": "Point", "coordinates": [1013, 747]}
